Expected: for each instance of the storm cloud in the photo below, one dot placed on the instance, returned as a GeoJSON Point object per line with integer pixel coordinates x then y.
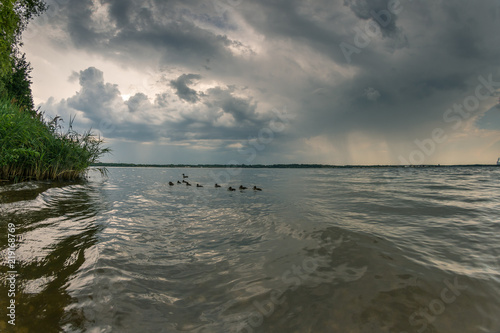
{"type": "Point", "coordinates": [182, 90]}
{"type": "Point", "coordinates": [363, 80]}
{"type": "Point", "coordinates": [219, 116]}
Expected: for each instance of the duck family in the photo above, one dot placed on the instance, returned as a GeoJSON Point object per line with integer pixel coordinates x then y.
{"type": "Point", "coordinates": [230, 188]}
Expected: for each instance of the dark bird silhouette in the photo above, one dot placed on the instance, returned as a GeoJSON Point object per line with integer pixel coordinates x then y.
{"type": "Point", "coordinates": [231, 189]}
{"type": "Point", "coordinates": [184, 176]}
{"type": "Point", "coordinates": [217, 185]}
{"type": "Point", "coordinates": [184, 181]}
{"type": "Point", "coordinates": [198, 185]}
{"type": "Point", "coordinates": [242, 187]}
{"type": "Point", "coordinates": [170, 183]}
{"type": "Point", "coordinates": [187, 184]}
{"type": "Point", "coordinates": [179, 182]}
{"type": "Point", "coordinates": [255, 188]}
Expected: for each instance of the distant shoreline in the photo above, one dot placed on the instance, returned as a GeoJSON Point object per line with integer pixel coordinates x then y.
{"type": "Point", "coordinates": [283, 166]}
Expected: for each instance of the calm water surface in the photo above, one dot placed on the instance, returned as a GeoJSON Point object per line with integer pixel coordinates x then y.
{"type": "Point", "coordinates": [318, 250]}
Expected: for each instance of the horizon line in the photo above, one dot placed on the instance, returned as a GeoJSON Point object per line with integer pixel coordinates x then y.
{"type": "Point", "coordinates": [285, 165]}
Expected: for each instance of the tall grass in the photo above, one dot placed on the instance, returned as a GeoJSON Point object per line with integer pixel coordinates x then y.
{"type": "Point", "coordinates": [33, 148]}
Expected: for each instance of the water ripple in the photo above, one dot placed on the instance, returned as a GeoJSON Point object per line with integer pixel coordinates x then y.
{"type": "Point", "coordinates": [318, 250]}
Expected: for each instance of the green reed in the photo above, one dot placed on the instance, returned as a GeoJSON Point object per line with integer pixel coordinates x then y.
{"type": "Point", "coordinates": [33, 148]}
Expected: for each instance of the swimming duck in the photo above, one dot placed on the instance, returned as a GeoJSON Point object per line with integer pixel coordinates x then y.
{"type": "Point", "coordinates": [184, 181]}
{"type": "Point", "coordinates": [187, 184]}
{"type": "Point", "coordinates": [255, 188]}
{"type": "Point", "coordinates": [170, 183]}
{"type": "Point", "coordinates": [179, 182]}
{"type": "Point", "coordinates": [217, 185]}
{"type": "Point", "coordinates": [242, 187]}
{"type": "Point", "coordinates": [198, 185]}
{"type": "Point", "coordinates": [184, 176]}
{"type": "Point", "coordinates": [231, 189]}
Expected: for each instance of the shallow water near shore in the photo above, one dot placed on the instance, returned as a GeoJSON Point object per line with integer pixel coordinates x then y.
{"type": "Point", "coordinates": [318, 250]}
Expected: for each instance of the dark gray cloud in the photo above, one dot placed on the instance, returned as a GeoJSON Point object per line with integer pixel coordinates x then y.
{"type": "Point", "coordinates": [226, 64]}
{"type": "Point", "coordinates": [380, 11]}
{"type": "Point", "coordinates": [138, 102]}
{"type": "Point", "coordinates": [135, 31]}
{"type": "Point", "coordinates": [182, 89]}
{"type": "Point", "coordinates": [241, 109]}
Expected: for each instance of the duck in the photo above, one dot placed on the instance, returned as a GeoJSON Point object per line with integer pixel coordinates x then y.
{"type": "Point", "coordinates": [170, 183]}
{"type": "Point", "coordinates": [187, 184]}
{"type": "Point", "coordinates": [184, 181]}
{"type": "Point", "coordinates": [255, 188]}
{"type": "Point", "coordinates": [242, 187]}
{"type": "Point", "coordinates": [198, 185]}
{"type": "Point", "coordinates": [231, 189]}
{"type": "Point", "coordinates": [179, 182]}
{"type": "Point", "coordinates": [184, 176]}
{"type": "Point", "coordinates": [217, 185]}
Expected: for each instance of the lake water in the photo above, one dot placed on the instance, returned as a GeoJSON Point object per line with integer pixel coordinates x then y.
{"type": "Point", "coordinates": [318, 250]}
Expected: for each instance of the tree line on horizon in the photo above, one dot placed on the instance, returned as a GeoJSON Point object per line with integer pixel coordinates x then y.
{"type": "Point", "coordinates": [278, 166]}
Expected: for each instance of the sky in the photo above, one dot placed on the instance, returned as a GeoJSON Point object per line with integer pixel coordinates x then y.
{"type": "Point", "coordinates": [274, 81]}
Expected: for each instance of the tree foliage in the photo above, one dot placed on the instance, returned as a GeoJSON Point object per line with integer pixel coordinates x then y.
{"type": "Point", "coordinates": [14, 68]}
{"type": "Point", "coordinates": [15, 16]}
{"type": "Point", "coordinates": [18, 85]}
{"type": "Point", "coordinates": [9, 23]}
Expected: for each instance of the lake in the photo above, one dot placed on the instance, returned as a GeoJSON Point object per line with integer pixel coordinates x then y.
{"type": "Point", "coordinates": [317, 250]}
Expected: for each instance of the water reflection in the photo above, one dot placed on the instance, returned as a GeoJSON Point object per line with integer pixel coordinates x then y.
{"type": "Point", "coordinates": [316, 251]}
{"type": "Point", "coordinates": [361, 283]}
{"type": "Point", "coordinates": [57, 234]}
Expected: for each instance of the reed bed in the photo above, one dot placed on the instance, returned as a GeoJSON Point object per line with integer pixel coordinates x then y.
{"type": "Point", "coordinates": [32, 148]}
